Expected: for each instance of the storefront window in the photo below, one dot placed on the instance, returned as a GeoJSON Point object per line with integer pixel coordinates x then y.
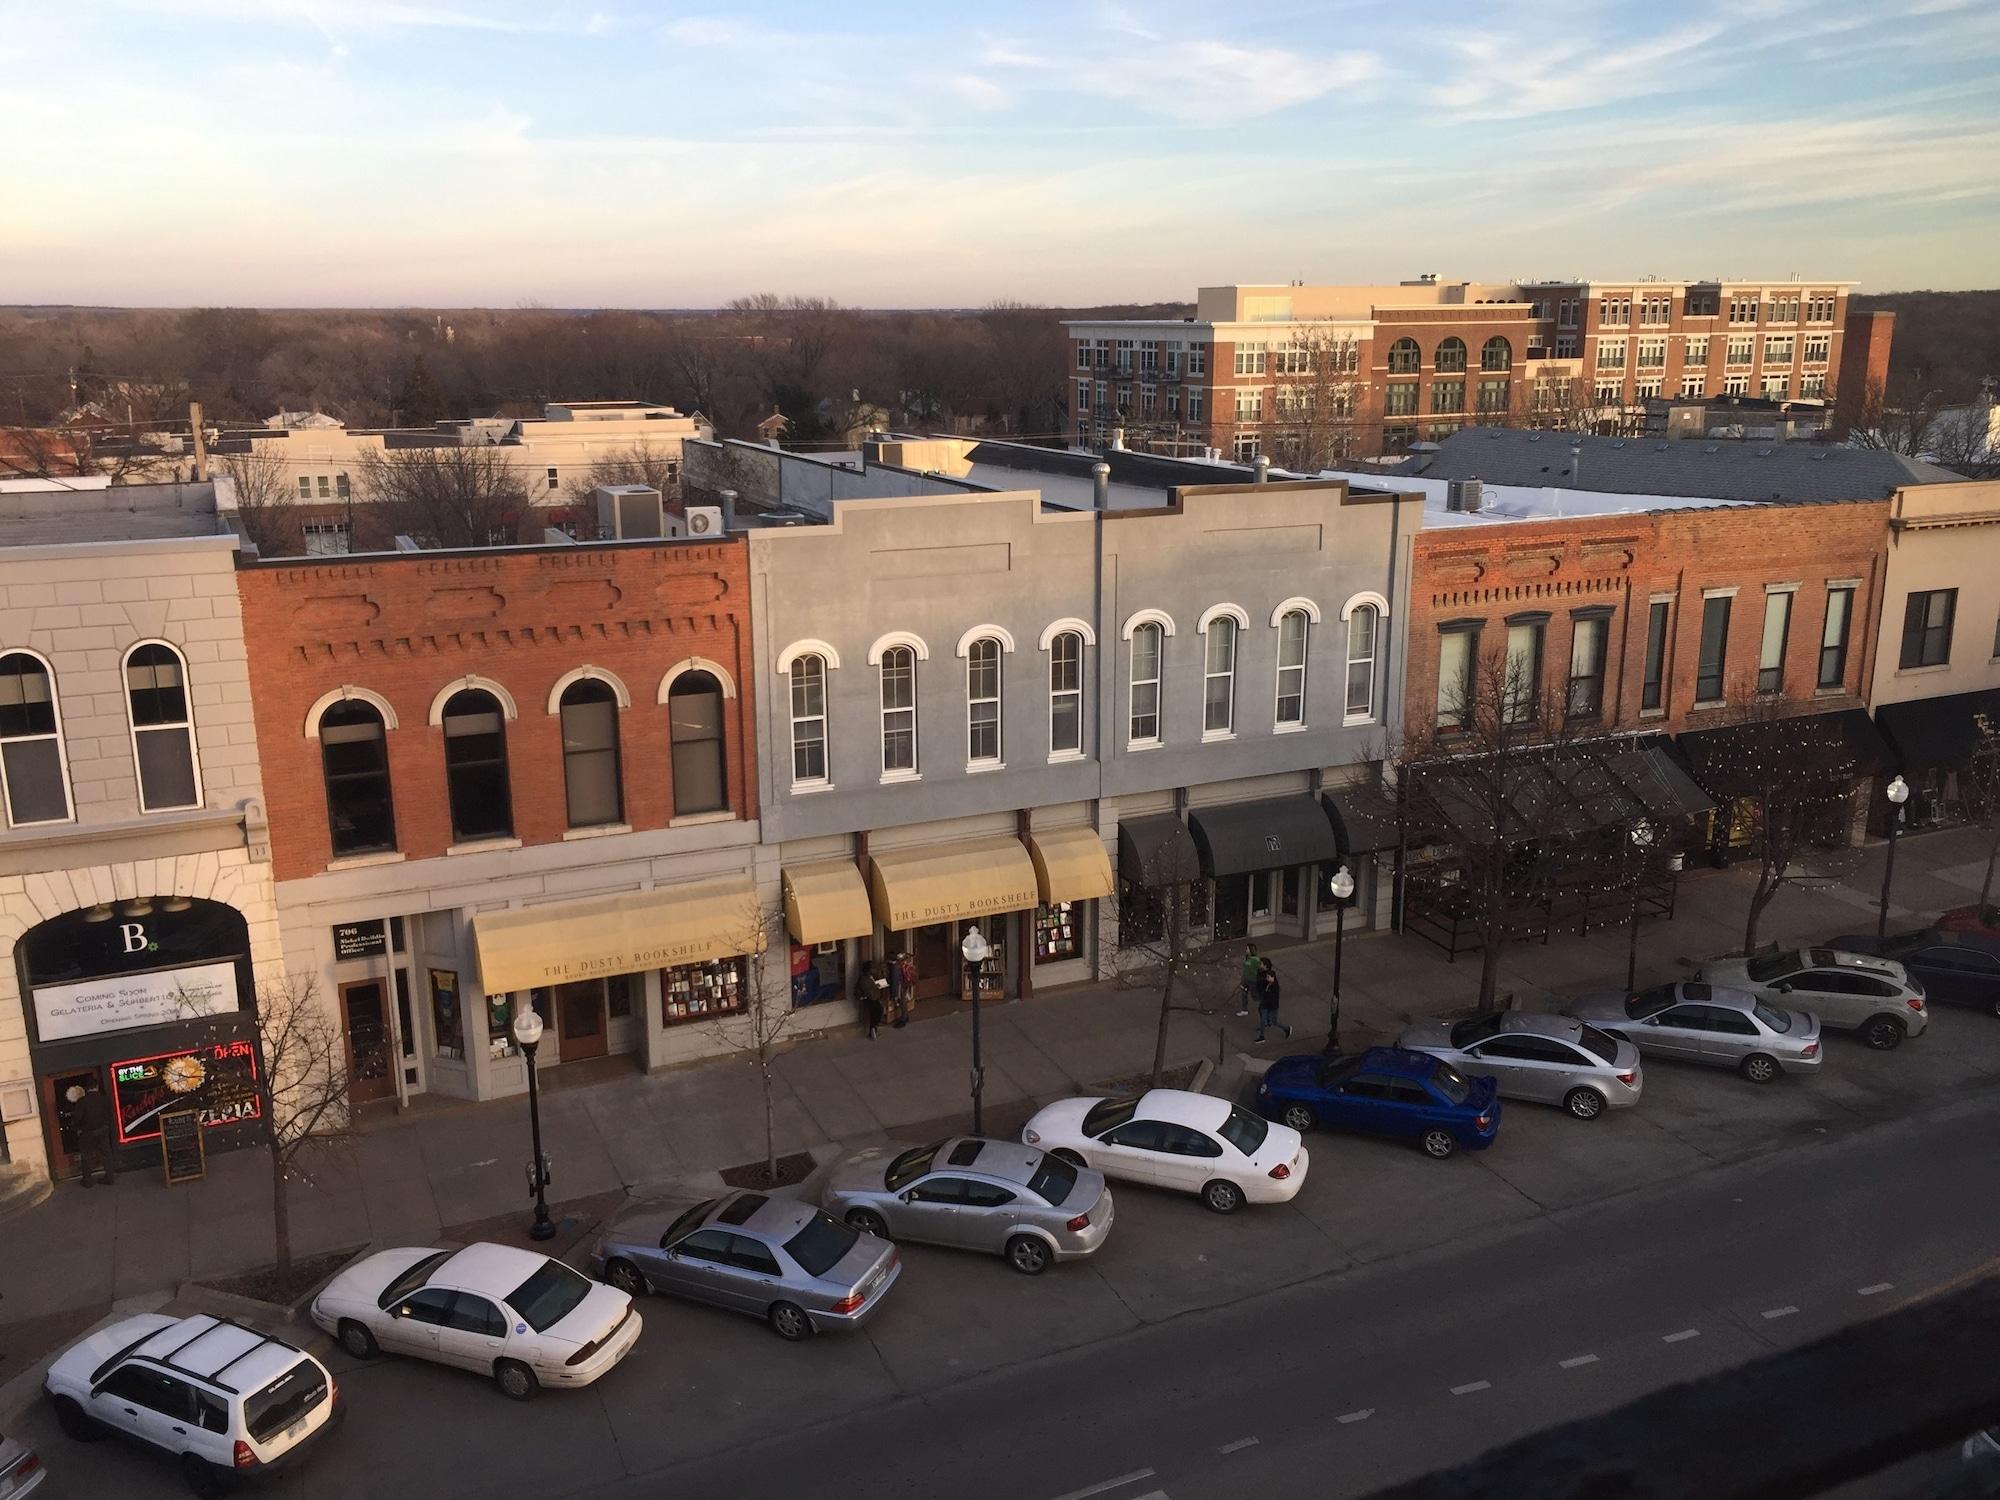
{"type": "Point", "coordinates": [1288, 898]}
{"type": "Point", "coordinates": [499, 1018]}
{"type": "Point", "coordinates": [1142, 914]}
{"type": "Point", "coordinates": [700, 992]}
{"type": "Point", "coordinates": [818, 973]}
{"type": "Point", "coordinates": [619, 990]}
{"type": "Point", "coordinates": [1059, 931]}
{"type": "Point", "coordinates": [446, 1024]}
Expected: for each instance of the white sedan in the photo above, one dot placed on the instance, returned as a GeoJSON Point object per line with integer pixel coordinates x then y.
{"type": "Point", "coordinates": [521, 1318]}
{"type": "Point", "coordinates": [1170, 1138]}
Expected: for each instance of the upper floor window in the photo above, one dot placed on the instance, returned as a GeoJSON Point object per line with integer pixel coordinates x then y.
{"type": "Point", "coordinates": [1294, 634]}
{"type": "Point", "coordinates": [1496, 354]}
{"type": "Point", "coordinates": [808, 719]}
{"type": "Point", "coordinates": [475, 767]}
{"type": "Point", "coordinates": [1771, 654]}
{"type": "Point", "coordinates": [899, 711]}
{"type": "Point", "coordinates": [1523, 685]}
{"type": "Point", "coordinates": [1218, 714]}
{"type": "Point", "coordinates": [1252, 359]}
{"type": "Point", "coordinates": [982, 702]}
{"type": "Point", "coordinates": [1833, 637]}
{"type": "Point", "coordinates": [32, 770]}
{"type": "Point", "coordinates": [1404, 357]}
{"type": "Point", "coordinates": [1927, 621]}
{"type": "Point", "coordinates": [700, 761]}
{"type": "Point", "coordinates": [156, 692]}
{"type": "Point", "coordinates": [1361, 650]}
{"type": "Point", "coordinates": [1457, 651]}
{"type": "Point", "coordinates": [1451, 355]}
{"type": "Point", "coordinates": [1743, 309]}
{"type": "Point", "coordinates": [591, 777]}
{"type": "Point", "coordinates": [1714, 659]}
{"type": "Point", "coordinates": [1066, 693]}
{"type": "Point", "coordinates": [1143, 720]}
{"type": "Point", "coordinates": [1652, 684]}
{"type": "Point", "coordinates": [1588, 638]}
{"type": "Point", "coordinates": [354, 753]}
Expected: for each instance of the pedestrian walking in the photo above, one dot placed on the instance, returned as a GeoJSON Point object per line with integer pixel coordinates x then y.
{"type": "Point", "coordinates": [93, 1132]}
{"type": "Point", "coordinates": [870, 990]}
{"type": "Point", "coordinates": [1253, 969]}
{"type": "Point", "coordinates": [1267, 1002]}
{"type": "Point", "coordinates": [902, 987]}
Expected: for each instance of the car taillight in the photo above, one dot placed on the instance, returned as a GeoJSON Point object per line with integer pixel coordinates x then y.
{"type": "Point", "coordinates": [848, 1303]}
{"type": "Point", "coordinates": [245, 1459]}
{"type": "Point", "coordinates": [1281, 1171]}
{"type": "Point", "coordinates": [1629, 1078]}
{"type": "Point", "coordinates": [1916, 1002]}
{"type": "Point", "coordinates": [1081, 1221]}
{"type": "Point", "coordinates": [28, 1464]}
{"type": "Point", "coordinates": [1810, 1049]}
{"type": "Point", "coordinates": [1483, 1121]}
{"type": "Point", "coordinates": [585, 1352]}
{"type": "Point", "coordinates": [1031, 1138]}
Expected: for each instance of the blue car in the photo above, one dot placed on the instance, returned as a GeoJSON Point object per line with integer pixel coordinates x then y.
{"type": "Point", "coordinates": [1384, 1091]}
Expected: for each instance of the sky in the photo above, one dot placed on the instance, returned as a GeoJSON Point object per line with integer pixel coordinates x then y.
{"type": "Point", "coordinates": [460, 152]}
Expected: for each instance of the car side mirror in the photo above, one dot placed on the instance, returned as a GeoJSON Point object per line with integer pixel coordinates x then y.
{"type": "Point", "coordinates": [1782, 988]}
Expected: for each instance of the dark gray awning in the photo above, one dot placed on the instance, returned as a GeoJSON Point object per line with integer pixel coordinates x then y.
{"type": "Point", "coordinates": [1363, 819]}
{"type": "Point", "coordinates": [1657, 780]}
{"type": "Point", "coordinates": [1157, 850]}
{"type": "Point", "coordinates": [1925, 733]}
{"type": "Point", "coordinates": [1725, 759]}
{"type": "Point", "coordinates": [1239, 837]}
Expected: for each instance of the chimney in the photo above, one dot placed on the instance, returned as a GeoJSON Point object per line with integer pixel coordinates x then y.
{"type": "Point", "coordinates": [1100, 486]}
{"type": "Point", "coordinates": [1117, 440]}
{"type": "Point", "coordinates": [1262, 464]}
{"type": "Point", "coordinates": [727, 499]}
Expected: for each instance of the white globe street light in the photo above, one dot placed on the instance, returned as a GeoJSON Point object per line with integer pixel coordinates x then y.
{"type": "Point", "coordinates": [976, 950]}
{"type": "Point", "coordinates": [1898, 792]}
{"type": "Point", "coordinates": [1341, 885]}
{"type": "Point", "coordinates": [527, 1029]}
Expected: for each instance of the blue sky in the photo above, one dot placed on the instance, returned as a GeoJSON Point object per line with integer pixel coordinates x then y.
{"type": "Point", "coordinates": [344, 152]}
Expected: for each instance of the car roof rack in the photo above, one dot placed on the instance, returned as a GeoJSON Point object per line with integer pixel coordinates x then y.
{"type": "Point", "coordinates": [214, 1378]}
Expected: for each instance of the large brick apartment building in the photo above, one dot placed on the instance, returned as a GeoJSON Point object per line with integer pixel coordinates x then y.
{"type": "Point", "coordinates": [1309, 374]}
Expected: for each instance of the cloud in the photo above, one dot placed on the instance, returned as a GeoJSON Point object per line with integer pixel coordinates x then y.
{"type": "Point", "coordinates": [980, 93]}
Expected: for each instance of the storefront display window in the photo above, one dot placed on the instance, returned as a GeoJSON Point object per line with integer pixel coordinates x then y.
{"type": "Point", "coordinates": [618, 991]}
{"type": "Point", "coordinates": [446, 1024]}
{"type": "Point", "coordinates": [700, 992]}
{"type": "Point", "coordinates": [1142, 914]}
{"type": "Point", "coordinates": [1058, 932]}
{"type": "Point", "coordinates": [817, 973]}
{"type": "Point", "coordinates": [499, 1018]}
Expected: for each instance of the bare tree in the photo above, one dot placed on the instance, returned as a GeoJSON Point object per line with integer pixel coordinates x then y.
{"type": "Point", "coordinates": [1979, 780]}
{"type": "Point", "coordinates": [445, 496]}
{"type": "Point", "coordinates": [1897, 416]}
{"type": "Point", "coordinates": [642, 463]}
{"type": "Point", "coordinates": [1317, 374]}
{"type": "Point", "coordinates": [767, 1022]}
{"type": "Point", "coordinates": [67, 452]}
{"type": "Point", "coordinates": [1156, 923]}
{"type": "Point", "coordinates": [265, 512]}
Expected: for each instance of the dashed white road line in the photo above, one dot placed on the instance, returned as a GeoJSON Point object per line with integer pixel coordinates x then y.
{"type": "Point", "coordinates": [1356, 1416]}
{"type": "Point", "coordinates": [1682, 1337]}
{"type": "Point", "coordinates": [1875, 1290]}
{"type": "Point", "coordinates": [1771, 1314]}
{"type": "Point", "coordinates": [1577, 1362]}
{"type": "Point", "coordinates": [1110, 1484]}
{"type": "Point", "coordinates": [1471, 1386]}
{"type": "Point", "coordinates": [1238, 1446]}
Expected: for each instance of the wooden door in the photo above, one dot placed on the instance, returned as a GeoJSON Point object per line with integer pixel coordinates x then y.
{"type": "Point", "coordinates": [580, 1019]}
{"type": "Point", "coordinates": [936, 963]}
{"type": "Point", "coordinates": [365, 1008]}
{"type": "Point", "coordinates": [59, 1111]}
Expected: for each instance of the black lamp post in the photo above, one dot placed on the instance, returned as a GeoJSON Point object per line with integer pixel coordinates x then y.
{"type": "Point", "coordinates": [1898, 792]}
{"type": "Point", "coordinates": [1640, 838]}
{"type": "Point", "coordinates": [528, 1033]}
{"type": "Point", "coordinates": [975, 950]}
{"type": "Point", "coordinates": [1342, 886]}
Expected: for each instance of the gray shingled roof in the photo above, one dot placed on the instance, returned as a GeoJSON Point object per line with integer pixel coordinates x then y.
{"type": "Point", "coordinates": [1716, 469]}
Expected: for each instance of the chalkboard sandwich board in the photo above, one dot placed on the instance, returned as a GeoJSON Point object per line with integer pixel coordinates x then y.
{"type": "Point", "coordinates": [181, 1147]}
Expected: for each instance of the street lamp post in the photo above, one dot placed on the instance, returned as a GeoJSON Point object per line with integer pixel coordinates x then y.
{"type": "Point", "coordinates": [1641, 836]}
{"type": "Point", "coordinates": [976, 950]}
{"type": "Point", "coordinates": [1898, 792]}
{"type": "Point", "coordinates": [528, 1033]}
{"type": "Point", "coordinates": [1342, 886]}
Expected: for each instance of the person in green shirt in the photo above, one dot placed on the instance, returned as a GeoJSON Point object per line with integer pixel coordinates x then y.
{"type": "Point", "coordinates": [1252, 968]}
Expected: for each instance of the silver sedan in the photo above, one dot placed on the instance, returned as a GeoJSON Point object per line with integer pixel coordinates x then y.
{"type": "Point", "coordinates": [774, 1258]}
{"type": "Point", "coordinates": [1692, 1021]}
{"type": "Point", "coordinates": [1547, 1059]}
{"type": "Point", "coordinates": [997, 1196]}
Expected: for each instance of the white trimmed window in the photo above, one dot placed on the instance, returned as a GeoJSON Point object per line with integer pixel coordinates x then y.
{"type": "Point", "coordinates": [808, 720]}
{"type": "Point", "coordinates": [899, 711]}
{"type": "Point", "coordinates": [1361, 642]}
{"type": "Point", "coordinates": [982, 702]}
{"type": "Point", "coordinates": [33, 773]}
{"type": "Point", "coordinates": [1294, 636]}
{"type": "Point", "coordinates": [1066, 694]}
{"type": "Point", "coordinates": [1218, 713]}
{"type": "Point", "coordinates": [1143, 719]}
{"type": "Point", "coordinates": [156, 696]}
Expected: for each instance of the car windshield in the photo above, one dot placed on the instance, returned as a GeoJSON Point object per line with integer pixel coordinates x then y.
{"type": "Point", "coordinates": [908, 1167]}
{"type": "Point", "coordinates": [685, 1223]}
{"type": "Point", "coordinates": [286, 1399]}
{"type": "Point", "coordinates": [1244, 1130]}
{"type": "Point", "coordinates": [1054, 1180]}
{"type": "Point", "coordinates": [1650, 1002]}
{"type": "Point", "coordinates": [1106, 1113]}
{"type": "Point", "coordinates": [819, 1246]}
{"type": "Point", "coordinates": [1777, 1020]}
{"type": "Point", "coordinates": [1451, 1083]}
{"type": "Point", "coordinates": [1773, 966]}
{"type": "Point", "coordinates": [411, 1279]}
{"type": "Point", "coordinates": [1478, 1029]}
{"type": "Point", "coordinates": [548, 1296]}
{"type": "Point", "coordinates": [1599, 1044]}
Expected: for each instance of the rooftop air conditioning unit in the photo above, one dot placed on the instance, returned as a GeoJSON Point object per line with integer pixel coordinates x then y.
{"type": "Point", "coordinates": [1465, 495]}
{"type": "Point", "coordinates": [704, 520]}
{"type": "Point", "coordinates": [626, 511]}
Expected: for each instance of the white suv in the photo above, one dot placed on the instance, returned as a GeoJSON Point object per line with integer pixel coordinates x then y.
{"type": "Point", "coordinates": [1875, 997]}
{"type": "Point", "coordinates": [227, 1401]}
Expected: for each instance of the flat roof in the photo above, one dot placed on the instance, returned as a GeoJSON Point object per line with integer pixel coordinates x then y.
{"type": "Point", "coordinates": [58, 514]}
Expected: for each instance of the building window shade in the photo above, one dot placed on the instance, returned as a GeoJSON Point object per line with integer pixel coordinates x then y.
{"type": "Point", "coordinates": [1714, 649]}
{"type": "Point", "coordinates": [1927, 621]}
{"type": "Point", "coordinates": [694, 714]}
{"type": "Point", "coordinates": [1771, 656]}
{"type": "Point", "coordinates": [590, 754]}
{"type": "Point", "coordinates": [1586, 667]}
{"type": "Point", "coordinates": [1833, 638]}
{"type": "Point", "coordinates": [1524, 671]}
{"type": "Point", "coordinates": [1456, 652]}
{"type": "Point", "coordinates": [162, 728]}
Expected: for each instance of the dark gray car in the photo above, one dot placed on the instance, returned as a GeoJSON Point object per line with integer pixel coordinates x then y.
{"type": "Point", "coordinates": [998, 1196]}
{"type": "Point", "coordinates": [774, 1258]}
{"type": "Point", "coordinates": [1692, 1021]}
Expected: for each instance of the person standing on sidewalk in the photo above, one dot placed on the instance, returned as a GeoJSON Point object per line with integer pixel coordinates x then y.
{"type": "Point", "coordinates": [902, 985]}
{"type": "Point", "coordinates": [1253, 971]}
{"type": "Point", "coordinates": [1267, 1002]}
{"type": "Point", "coordinates": [868, 990]}
{"type": "Point", "coordinates": [93, 1132]}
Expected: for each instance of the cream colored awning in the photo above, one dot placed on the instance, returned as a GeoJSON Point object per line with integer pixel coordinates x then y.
{"type": "Point", "coordinates": [976, 878]}
{"type": "Point", "coordinates": [628, 933]}
{"type": "Point", "coordinates": [1070, 863]}
{"type": "Point", "coordinates": [826, 902]}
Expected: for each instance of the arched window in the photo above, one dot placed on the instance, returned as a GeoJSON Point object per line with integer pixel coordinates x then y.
{"type": "Point", "coordinates": [899, 711]}
{"type": "Point", "coordinates": [1361, 635]}
{"type": "Point", "coordinates": [475, 767]}
{"type": "Point", "coordinates": [1144, 718]}
{"type": "Point", "coordinates": [982, 702]}
{"type": "Point", "coordinates": [1451, 356]}
{"type": "Point", "coordinates": [1496, 354]}
{"type": "Point", "coordinates": [1066, 693]}
{"type": "Point", "coordinates": [1404, 357]}
{"type": "Point", "coordinates": [35, 778]}
{"type": "Point", "coordinates": [354, 751]}
{"type": "Point", "coordinates": [1218, 714]}
{"type": "Point", "coordinates": [1294, 631]}
{"type": "Point", "coordinates": [694, 719]}
{"type": "Point", "coordinates": [590, 754]}
{"type": "Point", "coordinates": [156, 693]}
{"type": "Point", "coordinates": [808, 720]}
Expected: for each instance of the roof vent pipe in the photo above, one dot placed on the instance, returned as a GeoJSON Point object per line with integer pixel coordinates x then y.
{"type": "Point", "coordinates": [727, 499]}
{"type": "Point", "coordinates": [1262, 464]}
{"type": "Point", "coordinates": [1100, 486]}
{"type": "Point", "coordinates": [1117, 440]}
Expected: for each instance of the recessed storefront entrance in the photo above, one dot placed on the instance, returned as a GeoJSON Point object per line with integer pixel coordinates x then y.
{"type": "Point", "coordinates": [365, 1015]}
{"type": "Point", "coordinates": [580, 1030]}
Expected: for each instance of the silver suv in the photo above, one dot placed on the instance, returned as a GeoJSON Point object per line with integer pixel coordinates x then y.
{"type": "Point", "coordinates": [1548, 1059]}
{"type": "Point", "coordinates": [1875, 997]}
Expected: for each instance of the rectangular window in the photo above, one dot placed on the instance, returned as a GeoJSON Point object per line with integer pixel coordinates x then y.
{"type": "Point", "coordinates": [327, 538]}
{"type": "Point", "coordinates": [1493, 395]}
{"type": "Point", "coordinates": [1776, 387]}
{"type": "Point", "coordinates": [1524, 670]}
{"type": "Point", "coordinates": [341, 487]}
{"type": "Point", "coordinates": [1194, 405]}
{"type": "Point", "coordinates": [1736, 385]}
{"type": "Point", "coordinates": [1249, 405]}
{"type": "Point", "coordinates": [1611, 354]}
{"type": "Point", "coordinates": [1447, 395]}
{"type": "Point", "coordinates": [808, 720]}
{"type": "Point", "coordinates": [305, 487]}
{"type": "Point", "coordinates": [1771, 655]}
{"type": "Point", "coordinates": [1778, 349]}
{"type": "Point", "coordinates": [1833, 638]}
{"type": "Point", "coordinates": [1565, 346]}
{"type": "Point", "coordinates": [1927, 628]}
{"type": "Point", "coordinates": [1817, 347]}
{"type": "Point", "coordinates": [1082, 354]}
{"type": "Point", "coordinates": [1197, 359]}
{"type": "Point", "coordinates": [554, 479]}
{"type": "Point", "coordinates": [1566, 313]}
{"type": "Point", "coordinates": [1652, 354]}
{"type": "Point", "coordinates": [326, 486]}
{"type": "Point", "coordinates": [1714, 649]}
{"type": "Point", "coordinates": [1588, 640]}
{"type": "Point", "coordinates": [1083, 395]}
{"type": "Point", "coordinates": [1399, 400]}
{"type": "Point", "coordinates": [1742, 351]}
{"type": "Point", "coordinates": [1696, 352]}
{"type": "Point", "coordinates": [1457, 650]}
{"type": "Point", "coordinates": [1693, 385]}
{"type": "Point", "coordinates": [1251, 359]}
{"type": "Point", "coordinates": [1653, 685]}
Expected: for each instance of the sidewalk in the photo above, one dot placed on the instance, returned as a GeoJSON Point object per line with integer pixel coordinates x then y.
{"type": "Point", "coordinates": [413, 1179]}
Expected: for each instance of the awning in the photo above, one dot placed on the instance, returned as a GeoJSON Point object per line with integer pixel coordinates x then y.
{"type": "Point", "coordinates": [1557, 792]}
{"type": "Point", "coordinates": [527, 947]}
{"type": "Point", "coordinates": [1363, 821]}
{"type": "Point", "coordinates": [826, 902]}
{"type": "Point", "coordinates": [1157, 850]}
{"type": "Point", "coordinates": [942, 883]}
{"type": "Point", "coordinates": [1070, 863]}
{"type": "Point", "coordinates": [1239, 837]}
{"type": "Point", "coordinates": [1657, 780]}
{"type": "Point", "coordinates": [1926, 733]}
{"type": "Point", "coordinates": [1726, 760]}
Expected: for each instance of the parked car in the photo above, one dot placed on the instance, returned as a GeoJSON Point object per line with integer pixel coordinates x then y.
{"type": "Point", "coordinates": [1543, 1058]}
{"type": "Point", "coordinates": [1693, 1021]}
{"type": "Point", "coordinates": [1387, 1091]}
{"type": "Point", "coordinates": [1190, 1143]}
{"type": "Point", "coordinates": [778, 1259]}
{"type": "Point", "coordinates": [519, 1317]}
{"type": "Point", "coordinates": [1983, 920]}
{"type": "Point", "coordinates": [1847, 991]}
{"type": "Point", "coordinates": [226, 1401]}
{"type": "Point", "coordinates": [973, 1194]}
{"type": "Point", "coordinates": [21, 1473]}
{"type": "Point", "coordinates": [1957, 968]}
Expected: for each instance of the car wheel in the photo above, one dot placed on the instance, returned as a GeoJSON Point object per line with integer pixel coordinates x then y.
{"type": "Point", "coordinates": [1884, 1033]}
{"type": "Point", "coordinates": [516, 1381]}
{"type": "Point", "coordinates": [1223, 1197]}
{"type": "Point", "coordinates": [1438, 1144]}
{"type": "Point", "coordinates": [1300, 1118]}
{"type": "Point", "coordinates": [357, 1340]}
{"type": "Point", "coordinates": [1758, 1068]}
{"type": "Point", "coordinates": [789, 1322]}
{"type": "Point", "coordinates": [1063, 1153]}
{"type": "Point", "coordinates": [1028, 1255]}
{"type": "Point", "coordinates": [625, 1276]}
{"type": "Point", "coordinates": [75, 1424]}
{"type": "Point", "coordinates": [1585, 1104]}
{"type": "Point", "coordinates": [200, 1476]}
{"type": "Point", "coordinates": [867, 1221]}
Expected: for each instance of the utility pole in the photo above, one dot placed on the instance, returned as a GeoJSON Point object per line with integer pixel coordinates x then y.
{"type": "Point", "coordinates": [200, 443]}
